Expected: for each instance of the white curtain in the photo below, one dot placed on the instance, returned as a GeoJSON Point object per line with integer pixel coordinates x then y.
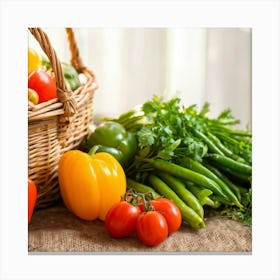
{"type": "Point", "coordinates": [132, 64]}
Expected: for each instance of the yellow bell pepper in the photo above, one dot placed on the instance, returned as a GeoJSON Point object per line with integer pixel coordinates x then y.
{"type": "Point", "coordinates": [34, 60]}
{"type": "Point", "coordinates": [33, 96]}
{"type": "Point", "coordinates": [90, 184]}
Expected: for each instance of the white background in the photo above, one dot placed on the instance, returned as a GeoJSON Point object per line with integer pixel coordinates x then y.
{"type": "Point", "coordinates": [131, 64]}
{"type": "Point", "coordinates": [262, 17]}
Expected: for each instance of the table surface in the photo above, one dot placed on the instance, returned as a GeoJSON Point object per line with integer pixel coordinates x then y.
{"type": "Point", "coordinates": [57, 230]}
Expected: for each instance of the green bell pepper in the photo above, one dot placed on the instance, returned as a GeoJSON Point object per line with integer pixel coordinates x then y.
{"type": "Point", "coordinates": [111, 137]}
{"type": "Point", "coordinates": [70, 74]}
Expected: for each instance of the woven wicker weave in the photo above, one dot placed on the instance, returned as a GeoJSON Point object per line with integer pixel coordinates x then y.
{"type": "Point", "coordinates": [58, 125]}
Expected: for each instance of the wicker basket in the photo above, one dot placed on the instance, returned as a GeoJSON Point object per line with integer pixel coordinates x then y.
{"type": "Point", "coordinates": [58, 125]}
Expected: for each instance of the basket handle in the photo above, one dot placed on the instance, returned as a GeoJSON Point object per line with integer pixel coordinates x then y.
{"type": "Point", "coordinates": [76, 60]}
{"type": "Point", "coordinates": [64, 95]}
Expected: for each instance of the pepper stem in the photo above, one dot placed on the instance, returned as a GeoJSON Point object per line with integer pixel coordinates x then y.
{"type": "Point", "coordinates": [93, 150]}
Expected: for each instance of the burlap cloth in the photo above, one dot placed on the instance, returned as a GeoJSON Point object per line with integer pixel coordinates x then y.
{"type": "Point", "coordinates": [57, 230]}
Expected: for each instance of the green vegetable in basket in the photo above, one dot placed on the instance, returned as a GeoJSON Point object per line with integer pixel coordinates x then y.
{"type": "Point", "coordinates": [71, 76]}
{"type": "Point", "coordinates": [111, 137]}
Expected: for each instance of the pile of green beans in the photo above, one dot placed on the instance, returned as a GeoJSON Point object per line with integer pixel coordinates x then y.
{"type": "Point", "coordinates": [197, 162]}
{"type": "Point", "coordinates": [191, 186]}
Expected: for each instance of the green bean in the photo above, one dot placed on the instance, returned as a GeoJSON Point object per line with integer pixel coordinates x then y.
{"type": "Point", "coordinates": [131, 122]}
{"type": "Point", "coordinates": [202, 195]}
{"type": "Point", "coordinates": [127, 115]}
{"type": "Point", "coordinates": [224, 149]}
{"type": "Point", "coordinates": [198, 167]}
{"type": "Point", "coordinates": [212, 147]}
{"type": "Point", "coordinates": [188, 214]}
{"type": "Point", "coordinates": [225, 179]}
{"type": "Point", "coordinates": [180, 189]}
{"type": "Point", "coordinates": [219, 199]}
{"type": "Point", "coordinates": [237, 176]}
{"type": "Point", "coordinates": [231, 131]}
{"type": "Point", "coordinates": [141, 188]}
{"type": "Point", "coordinates": [186, 174]}
{"type": "Point", "coordinates": [236, 146]}
{"type": "Point", "coordinates": [213, 203]}
{"type": "Point", "coordinates": [230, 163]}
{"type": "Point", "coordinates": [226, 138]}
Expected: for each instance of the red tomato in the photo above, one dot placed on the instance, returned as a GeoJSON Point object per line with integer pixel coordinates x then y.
{"type": "Point", "coordinates": [121, 219]}
{"type": "Point", "coordinates": [43, 83]}
{"type": "Point", "coordinates": [151, 228]}
{"type": "Point", "coordinates": [32, 197]}
{"type": "Point", "coordinates": [170, 212]}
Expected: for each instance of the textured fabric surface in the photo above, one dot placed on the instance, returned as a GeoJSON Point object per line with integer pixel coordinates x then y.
{"type": "Point", "coordinates": [57, 230]}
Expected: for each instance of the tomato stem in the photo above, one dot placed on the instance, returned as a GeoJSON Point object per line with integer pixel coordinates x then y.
{"type": "Point", "coordinates": [135, 198]}
{"type": "Point", "coordinates": [132, 197]}
{"type": "Point", "coordinates": [147, 202]}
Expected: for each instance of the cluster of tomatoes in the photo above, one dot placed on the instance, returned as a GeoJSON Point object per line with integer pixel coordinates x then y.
{"type": "Point", "coordinates": [153, 220]}
{"type": "Point", "coordinates": [41, 83]}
